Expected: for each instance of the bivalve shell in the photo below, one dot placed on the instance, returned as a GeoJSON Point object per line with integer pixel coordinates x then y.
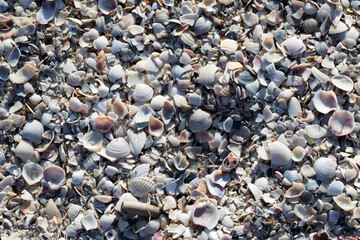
{"type": "Point", "coordinates": [205, 214]}
{"type": "Point", "coordinates": [54, 177]}
{"type": "Point", "coordinates": [325, 168]}
{"type": "Point", "coordinates": [24, 150]}
{"type": "Point", "coordinates": [199, 121]}
{"type": "Point", "coordinates": [92, 141]}
{"type": "Point", "coordinates": [229, 46]}
{"type": "Point", "coordinates": [208, 75]}
{"type": "Point", "coordinates": [141, 186]}
{"type": "Point", "coordinates": [293, 46]}
{"type": "Point", "coordinates": [118, 148]}
{"type": "Point", "coordinates": [32, 173]}
{"type": "Point", "coordinates": [295, 191]}
{"type": "Point", "coordinates": [325, 101]}
{"type": "Point", "coordinates": [344, 202]}
{"type": "Point", "coordinates": [280, 155]}
{"type": "Point", "coordinates": [33, 131]}
{"type": "Point", "coordinates": [142, 93]}
{"type": "Point", "coordinates": [343, 82]}
{"type": "Point", "coordinates": [107, 6]}
{"type": "Point", "coordinates": [24, 74]}
{"type": "Point", "coordinates": [342, 123]}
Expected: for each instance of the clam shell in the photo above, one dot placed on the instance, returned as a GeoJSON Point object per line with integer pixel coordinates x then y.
{"type": "Point", "coordinates": [89, 221]}
{"type": "Point", "coordinates": [5, 71]}
{"type": "Point", "coordinates": [13, 57]}
{"type": "Point", "coordinates": [215, 189]}
{"type": "Point", "coordinates": [325, 101]}
{"type": "Point", "coordinates": [342, 123]}
{"type": "Point", "coordinates": [315, 131]}
{"type": "Point", "coordinates": [24, 74]}
{"type": "Point", "coordinates": [208, 75]}
{"type": "Point", "coordinates": [293, 46]}
{"type": "Point", "coordinates": [202, 25]}
{"type": "Point", "coordinates": [199, 121]}
{"type": "Point", "coordinates": [310, 25]}
{"type": "Point", "coordinates": [32, 173]}
{"type": "Point", "coordinates": [46, 12]}
{"type": "Point", "coordinates": [120, 108]}
{"type": "Point", "coordinates": [141, 186]}
{"type": "Point", "coordinates": [344, 202]}
{"type": "Point", "coordinates": [103, 124]}
{"type": "Point", "coordinates": [118, 148]}
{"type": "Point", "coordinates": [25, 151]}
{"type": "Point", "coordinates": [33, 131]}
{"type": "Point", "coordinates": [180, 162]}
{"type": "Point", "coordinates": [115, 73]}
{"type": "Point", "coordinates": [280, 155]}
{"type": "Point", "coordinates": [54, 177]}
{"type": "Point", "coordinates": [229, 46]}
{"type": "Point", "coordinates": [250, 19]}
{"type": "Point", "coordinates": [137, 140]}
{"type": "Point", "coordinates": [205, 214]}
{"type": "Point", "coordinates": [167, 112]}
{"type": "Point", "coordinates": [107, 6]}
{"type": "Point", "coordinates": [157, 102]}
{"type": "Point", "coordinates": [100, 43]}
{"type": "Point", "coordinates": [295, 191]}
{"type": "Point", "coordinates": [93, 141]}
{"type": "Point", "coordinates": [343, 82]}
{"type": "Point", "coordinates": [143, 114]}
{"type": "Point", "coordinates": [325, 168]}
{"type": "Point", "coordinates": [301, 212]}
{"type": "Point", "coordinates": [298, 153]}
{"type": "Point", "coordinates": [155, 127]}
{"type": "Point", "coordinates": [142, 93]}
{"type": "Point", "coordinates": [335, 188]}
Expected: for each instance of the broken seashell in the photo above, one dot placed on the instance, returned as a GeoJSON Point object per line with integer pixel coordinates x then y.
{"type": "Point", "coordinates": [137, 140]}
{"type": "Point", "coordinates": [180, 162]}
{"type": "Point", "coordinates": [229, 46]}
{"type": "Point", "coordinates": [208, 75]}
{"type": "Point", "coordinates": [295, 191]}
{"type": "Point", "coordinates": [46, 12]}
{"type": "Point", "coordinates": [32, 173]}
{"type": "Point", "coordinates": [280, 155]}
{"type": "Point", "coordinates": [89, 221]}
{"type": "Point", "coordinates": [155, 127]}
{"type": "Point", "coordinates": [205, 214]}
{"type": "Point", "coordinates": [293, 46]}
{"type": "Point", "coordinates": [344, 202]}
{"type": "Point", "coordinates": [5, 71]}
{"type": "Point", "coordinates": [107, 7]}
{"type": "Point", "coordinates": [115, 73]}
{"type": "Point", "coordinates": [33, 131]}
{"type": "Point", "coordinates": [24, 74]}
{"type": "Point", "coordinates": [103, 124]}
{"type": "Point", "coordinates": [230, 162]}
{"type": "Point", "coordinates": [315, 131]}
{"type": "Point", "coordinates": [335, 188]}
{"type": "Point", "coordinates": [343, 82]}
{"type": "Point", "coordinates": [342, 123]}
{"type": "Point", "coordinates": [120, 108]}
{"type": "Point", "coordinates": [25, 151]}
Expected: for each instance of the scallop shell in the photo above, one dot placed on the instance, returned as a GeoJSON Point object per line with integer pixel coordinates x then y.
{"type": "Point", "coordinates": [342, 123]}
{"type": "Point", "coordinates": [325, 168]}
{"type": "Point", "coordinates": [295, 191]}
{"type": "Point", "coordinates": [229, 46]}
{"type": "Point", "coordinates": [118, 148]}
{"type": "Point", "coordinates": [155, 127]}
{"type": "Point", "coordinates": [141, 186]}
{"type": "Point", "coordinates": [344, 202]}
{"type": "Point", "coordinates": [208, 75]}
{"type": "Point", "coordinates": [142, 93]}
{"type": "Point", "coordinates": [343, 82]}
{"type": "Point", "coordinates": [280, 155]}
{"type": "Point", "coordinates": [54, 177]}
{"type": "Point", "coordinates": [115, 73]}
{"type": "Point", "coordinates": [24, 150]}
{"type": "Point", "coordinates": [93, 141]}
{"type": "Point", "coordinates": [107, 6]}
{"type": "Point", "coordinates": [199, 121]}
{"type": "Point", "coordinates": [46, 12]}
{"type": "Point", "coordinates": [24, 74]}
{"type": "Point", "coordinates": [293, 46]}
{"type": "Point", "coordinates": [33, 131]}
{"type": "Point", "coordinates": [325, 101]}
{"type": "Point", "coordinates": [32, 173]}
{"type": "Point", "coordinates": [205, 214]}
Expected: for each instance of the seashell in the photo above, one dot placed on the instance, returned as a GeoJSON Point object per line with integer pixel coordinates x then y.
{"type": "Point", "coordinates": [115, 73]}
{"type": "Point", "coordinates": [88, 220]}
{"type": "Point", "coordinates": [205, 214]}
{"type": "Point", "coordinates": [103, 124]}
{"type": "Point", "coordinates": [180, 162]}
{"type": "Point", "coordinates": [307, 171]}
{"type": "Point", "coordinates": [342, 123]}
{"type": "Point", "coordinates": [214, 189]}
{"type": "Point", "coordinates": [120, 108]}
{"type": "Point", "coordinates": [298, 153]}
{"type": "Point", "coordinates": [32, 173]}
{"type": "Point", "coordinates": [199, 121]}
{"type": "Point", "coordinates": [344, 202]}
{"type": "Point", "coordinates": [315, 131]}
{"type": "Point", "coordinates": [157, 102]}
{"type": "Point", "coordinates": [250, 19]}
{"type": "Point", "coordinates": [54, 177]}
{"type": "Point", "coordinates": [325, 168]}
{"type": "Point", "coordinates": [25, 151]}
{"type": "Point", "coordinates": [77, 177]}
{"type": "Point", "coordinates": [295, 191]}
{"type": "Point", "coordinates": [51, 209]}
{"type": "Point", "coordinates": [356, 213]}
{"type": "Point", "coordinates": [280, 155]}
{"type": "Point", "coordinates": [230, 162]}
{"type": "Point", "coordinates": [293, 46]}
{"type": "Point", "coordinates": [309, 25]}
{"type": "Point", "coordinates": [263, 184]}
{"type": "Point", "coordinates": [111, 234]}
{"type": "Point", "coordinates": [141, 186]}
{"type": "Point", "coordinates": [93, 141]}
{"type": "Point", "coordinates": [46, 12]}
{"type": "Point", "coordinates": [343, 82]}
{"type": "Point", "coordinates": [24, 74]}
{"type": "Point", "coordinates": [140, 171]}
{"type": "Point", "coordinates": [100, 43]}
{"type": "Point", "coordinates": [202, 25]}
{"type": "Point", "coordinates": [301, 212]}
{"type": "Point", "coordinates": [107, 7]}
{"type": "Point", "coordinates": [188, 39]}
{"type": "Point", "coordinates": [118, 148]}
{"type": "Point", "coordinates": [5, 71]}
{"type": "Point", "coordinates": [77, 106]}
{"type": "Point", "coordinates": [73, 211]}
{"type": "Point", "coordinates": [310, 8]}
{"type": "Point", "coordinates": [33, 131]}
{"type": "Point", "coordinates": [208, 75]}
{"type": "Point", "coordinates": [294, 107]}
{"type": "Point", "coordinates": [155, 127]}
{"type": "Point", "coordinates": [338, 29]}
{"type": "Point", "coordinates": [137, 140]}
{"type": "Point", "coordinates": [229, 46]}
{"type": "Point", "coordinates": [141, 209]}
{"type": "Point", "coordinates": [107, 220]}
{"type": "Point", "coordinates": [335, 188]}
{"type": "Point", "coordinates": [255, 190]}
{"type": "Point", "coordinates": [143, 114]}
{"type": "Point", "coordinates": [142, 93]}
{"type": "Point", "coordinates": [169, 203]}
{"type": "Point", "coordinates": [13, 57]}
{"type": "Point", "coordinates": [325, 101]}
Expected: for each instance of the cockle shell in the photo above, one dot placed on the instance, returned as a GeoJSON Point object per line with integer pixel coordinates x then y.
{"type": "Point", "coordinates": [142, 93]}
{"type": "Point", "coordinates": [205, 214]}
{"type": "Point", "coordinates": [343, 82]}
{"type": "Point", "coordinates": [229, 46]}
{"type": "Point", "coordinates": [24, 150]}
{"type": "Point", "coordinates": [325, 101]}
{"type": "Point", "coordinates": [140, 171]}
{"type": "Point", "coordinates": [202, 25]}
{"type": "Point", "coordinates": [214, 189]}
{"type": "Point", "coordinates": [342, 123]}
{"type": "Point", "coordinates": [199, 121]}
{"type": "Point", "coordinates": [155, 127]}
{"type": "Point", "coordinates": [24, 74]}
{"type": "Point", "coordinates": [335, 188]}
{"type": "Point", "coordinates": [115, 73]}
{"type": "Point", "coordinates": [33, 131]}
{"type": "Point", "coordinates": [92, 141]}
{"type": "Point", "coordinates": [293, 46]}
{"type": "Point", "coordinates": [32, 173]}
{"type": "Point", "coordinates": [325, 168]}
{"type": "Point", "coordinates": [157, 102]}
{"type": "Point", "coordinates": [118, 148]}
{"type": "Point", "coordinates": [107, 6]}
{"type": "Point", "coordinates": [141, 186]}
{"type": "Point", "coordinates": [208, 75]}
{"type": "Point", "coordinates": [280, 155]}
{"type": "Point", "coordinates": [54, 177]}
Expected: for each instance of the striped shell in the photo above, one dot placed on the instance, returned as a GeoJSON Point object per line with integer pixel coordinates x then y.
{"type": "Point", "coordinates": [118, 148]}
{"type": "Point", "coordinates": [140, 186]}
{"type": "Point", "coordinates": [140, 171]}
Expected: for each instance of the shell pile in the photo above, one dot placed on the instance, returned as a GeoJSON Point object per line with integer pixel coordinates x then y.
{"type": "Point", "coordinates": [164, 119]}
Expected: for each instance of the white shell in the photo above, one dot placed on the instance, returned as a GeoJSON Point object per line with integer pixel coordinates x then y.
{"type": "Point", "coordinates": [295, 191]}
{"type": "Point", "coordinates": [89, 221]}
{"type": "Point", "coordinates": [157, 103]}
{"type": "Point", "coordinates": [213, 188]}
{"type": "Point", "coordinates": [140, 171]}
{"type": "Point", "coordinates": [342, 123]}
{"type": "Point", "coordinates": [180, 162]}
{"type": "Point", "coordinates": [199, 121]}
{"type": "Point", "coordinates": [344, 202]}
{"type": "Point", "coordinates": [24, 150]}
{"type": "Point", "coordinates": [137, 140]}
{"type": "Point", "coordinates": [33, 131]}
{"type": "Point", "coordinates": [115, 73]}
{"type": "Point", "coordinates": [202, 25]}
{"type": "Point", "coordinates": [293, 46]}
{"type": "Point", "coordinates": [325, 101]}
{"type": "Point", "coordinates": [315, 131]}
{"type": "Point", "coordinates": [343, 82]}
{"type": "Point", "coordinates": [322, 77]}
{"type": "Point", "coordinates": [280, 155]}
{"type": "Point", "coordinates": [335, 188]}
{"type": "Point", "coordinates": [141, 186]}
{"type": "Point", "coordinates": [32, 173]}
{"type": "Point", "coordinates": [205, 214]}
{"type": "Point", "coordinates": [93, 141]}
{"type": "Point", "coordinates": [118, 148]}
{"type": "Point", "coordinates": [169, 203]}
{"type": "Point", "coordinates": [298, 153]}
{"type": "Point", "coordinates": [208, 75]}
{"type": "Point", "coordinates": [24, 74]}
{"type": "Point", "coordinates": [107, 6]}
{"type": "Point", "coordinates": [142, 93]}
{"type": "Point", "coordinates": [250, 19]}
{"type": "Point", "coordinates": [229, 46]}
{"type": "Point", "coordinates": [155, 127]}
{"type": "Point", "coordinates": [300, 211]}
{"type": "Point", "coordinates": [255, 190]}
{"type": "Point", "coordinates": [46, 12]}
{"type": "Point", "coordinates": [101, 42]}
{"type": "Point", "coordinates": [325, 168]}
